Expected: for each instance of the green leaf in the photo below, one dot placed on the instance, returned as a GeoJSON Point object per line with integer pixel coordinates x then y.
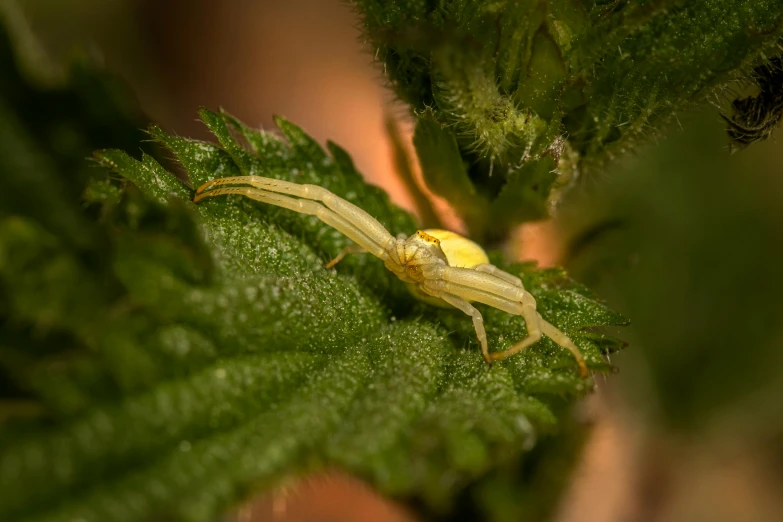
{"type": "Point", "coordinates": [162, 359]}
{"type": "Point", "coordinates": [225, 356]}
{"type": "Point", "coordinates": [445, 173]}
{"type": "Point", "coordinates": [420, 385]}
{"type": "Point", "coordinates": [517, 83]}
{"type": "Point", "coordinates": [525, 195]}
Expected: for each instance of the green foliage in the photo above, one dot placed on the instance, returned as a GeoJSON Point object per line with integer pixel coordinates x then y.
{"type": "Point", "coordinates": [163, 360]}
{"type": "Point", "coordinates": [518, 85]}
{"type": "Point", "coordinates": [178, 356]}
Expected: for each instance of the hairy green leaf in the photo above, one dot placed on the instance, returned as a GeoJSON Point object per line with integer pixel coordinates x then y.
{"type": "Point", "coordinates": [162, 360]}
{"type": "Point", "coordinates": [517, 84]}
{"type": "Point", "coordinates": [209, 351]}
{"type": "Point", "coordinates": [445, 172]}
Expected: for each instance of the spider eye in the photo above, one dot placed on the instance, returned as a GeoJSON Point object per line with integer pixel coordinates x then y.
{"type": "Point", "coordinates": [428, 238]}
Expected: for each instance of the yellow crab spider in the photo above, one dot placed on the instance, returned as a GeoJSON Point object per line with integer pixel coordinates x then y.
{"type": "Point", "coordinates": [440, 267]}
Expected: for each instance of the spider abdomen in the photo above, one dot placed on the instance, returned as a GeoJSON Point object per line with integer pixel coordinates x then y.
{"type": "Point", "coordinates": [460, 251]}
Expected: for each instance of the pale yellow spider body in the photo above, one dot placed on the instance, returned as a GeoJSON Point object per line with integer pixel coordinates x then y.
{"type": "Point", "coordinates": [460, 251]}
{"type": "Point", "coordinates": [439, 266]}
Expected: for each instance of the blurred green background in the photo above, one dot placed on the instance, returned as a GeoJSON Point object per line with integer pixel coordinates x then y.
{"type": "Point", "coordinates": [680, 236]}
{"type": "Point", "coordinates": [685, 239]}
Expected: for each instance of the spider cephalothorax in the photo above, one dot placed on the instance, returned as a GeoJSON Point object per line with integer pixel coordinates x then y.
{"type": "Point", "coordinates": [438, 266]}
{"type": "Point", "coordinates": [416, 258]}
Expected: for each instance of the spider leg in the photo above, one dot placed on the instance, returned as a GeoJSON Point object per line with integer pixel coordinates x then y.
{"type": "Point", "coordinates": [478, 320]}
{"type": "Point", "coordinates": [304, 206]}
{"type": "Point", "coordinates": [469, 284]}
{"type": "Point", "coordinates": [527, 309]}
{"type": "Point", "coordinates": [347, 249]}
{"type": "Point", "coordinates": [358, 218]}
{"type": "Point", "coordinates": [536, 325]}
{"type": "Point", "coordinates": [533, 336]}
{"type": "Point", "coordinates": [488, 268]}
{"type": "Point", "coordinates": [563, 340]}
{"type": "Point", "coordinates": [547, 328]}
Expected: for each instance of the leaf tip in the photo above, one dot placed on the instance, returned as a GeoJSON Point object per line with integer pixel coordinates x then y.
{"type": "Point", "coordinates": [280, 121]}
{"type": "Point", "coordinates": [157, 133]}
{"type": "Point", "coordinates": [107, 158]}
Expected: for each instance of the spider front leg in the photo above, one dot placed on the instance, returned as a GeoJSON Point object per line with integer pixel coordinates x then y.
{"type": "Point", "coordinates": [336, 212]}
{"type": "Point", "coordinates": [352, 249]}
